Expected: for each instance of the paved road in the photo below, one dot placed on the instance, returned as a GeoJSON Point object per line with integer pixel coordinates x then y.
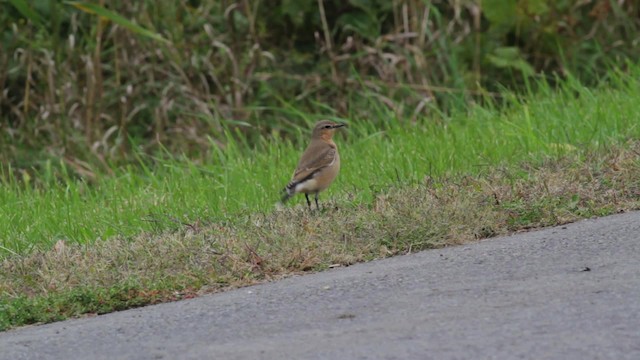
{"type": "Point", "coordinates": [562, 293]}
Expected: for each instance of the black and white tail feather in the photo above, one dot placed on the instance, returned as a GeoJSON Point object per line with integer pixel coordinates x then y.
{"type": "Point", "coordinates": [290, 189]}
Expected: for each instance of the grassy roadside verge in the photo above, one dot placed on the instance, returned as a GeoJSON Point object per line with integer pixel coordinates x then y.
{"type": "Point", "coordinates": [71, 279]}
{"type": "Point", "coordinates": [551, 158]}
{"type": "Point", "coordinates": [54, 205]}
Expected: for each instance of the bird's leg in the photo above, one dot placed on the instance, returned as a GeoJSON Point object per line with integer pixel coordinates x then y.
{"type": "Point", "coordinates": [317, 206]}
{"type": "Point", "coordinates": [308, 201]}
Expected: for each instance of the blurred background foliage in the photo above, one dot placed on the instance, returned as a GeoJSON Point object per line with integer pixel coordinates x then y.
{"type": "Point", "coordinates": [94, 84]}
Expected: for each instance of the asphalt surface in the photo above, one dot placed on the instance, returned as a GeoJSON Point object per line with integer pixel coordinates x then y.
{"type": "Point", "coordinates": [571, 292]}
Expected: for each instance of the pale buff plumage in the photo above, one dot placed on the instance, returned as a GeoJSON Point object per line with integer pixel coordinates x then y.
{"type": "Point", "coordinates": [319, 164]}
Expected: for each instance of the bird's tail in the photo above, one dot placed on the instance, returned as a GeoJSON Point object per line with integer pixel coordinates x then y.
{"type": "Point", "coordinates": [288, 191]}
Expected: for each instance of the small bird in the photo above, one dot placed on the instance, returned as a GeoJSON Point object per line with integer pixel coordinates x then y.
{"type": "Point", "coordinates": [319, 164]}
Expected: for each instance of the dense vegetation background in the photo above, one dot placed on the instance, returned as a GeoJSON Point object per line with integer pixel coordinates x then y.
{"type": "Point", "coordinates": [95, 83]}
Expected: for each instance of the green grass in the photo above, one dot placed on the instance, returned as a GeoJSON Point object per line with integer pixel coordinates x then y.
{"type": "Point", "coordinates": [71, 280]}
{"type": "Point", "coordinates": [172, 193]}
{"type": "Point", "coordinates": [176, 228]}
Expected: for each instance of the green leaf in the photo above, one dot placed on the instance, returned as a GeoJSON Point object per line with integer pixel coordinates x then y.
{"type": "Point", "coordinates": [510, 57]}
{"type": "Point", "coordinates": [116, 18]}
{"type": "Point", "coordinates": [536, 7]}
{"type": "Point", "coordinates": [27, 12]}
{"type": "Point", "coordinates": [360, 23]}
{"type": "Point", "coordinates": [500, 12]}
{"type": "Point", "coordinates": [297, 10]}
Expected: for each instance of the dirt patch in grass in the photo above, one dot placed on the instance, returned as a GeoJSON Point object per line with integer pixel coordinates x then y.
{"type": "Point", "coordinates": [73, 280]}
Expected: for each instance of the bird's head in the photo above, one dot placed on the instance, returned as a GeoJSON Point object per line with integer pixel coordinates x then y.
{"type": "Point", "coordinates": [325, 129]}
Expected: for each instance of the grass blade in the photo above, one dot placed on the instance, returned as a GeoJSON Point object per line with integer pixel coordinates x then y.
{"type": "Point", "coordinates": [116, 18]}
{"type": "Point", "coordinates": [27, 12]}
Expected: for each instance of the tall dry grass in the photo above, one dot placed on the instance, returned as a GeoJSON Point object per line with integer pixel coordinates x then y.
{"type": "Point", "coordinates": [94, 82]}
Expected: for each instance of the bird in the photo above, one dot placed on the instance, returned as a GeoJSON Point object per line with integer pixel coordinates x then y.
{"type": "Point", "coordinates": [318, 166]}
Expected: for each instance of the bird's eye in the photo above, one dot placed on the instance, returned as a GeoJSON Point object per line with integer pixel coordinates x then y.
{"type": "Point", "coordinates": [327, 126]}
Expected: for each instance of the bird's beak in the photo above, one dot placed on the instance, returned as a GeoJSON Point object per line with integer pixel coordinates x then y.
{"type": "Point", "coordinates": [339, 126]}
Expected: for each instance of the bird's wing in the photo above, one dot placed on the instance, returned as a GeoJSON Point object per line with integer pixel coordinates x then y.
{"type": "Point", "coordinates": [314, 159]}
